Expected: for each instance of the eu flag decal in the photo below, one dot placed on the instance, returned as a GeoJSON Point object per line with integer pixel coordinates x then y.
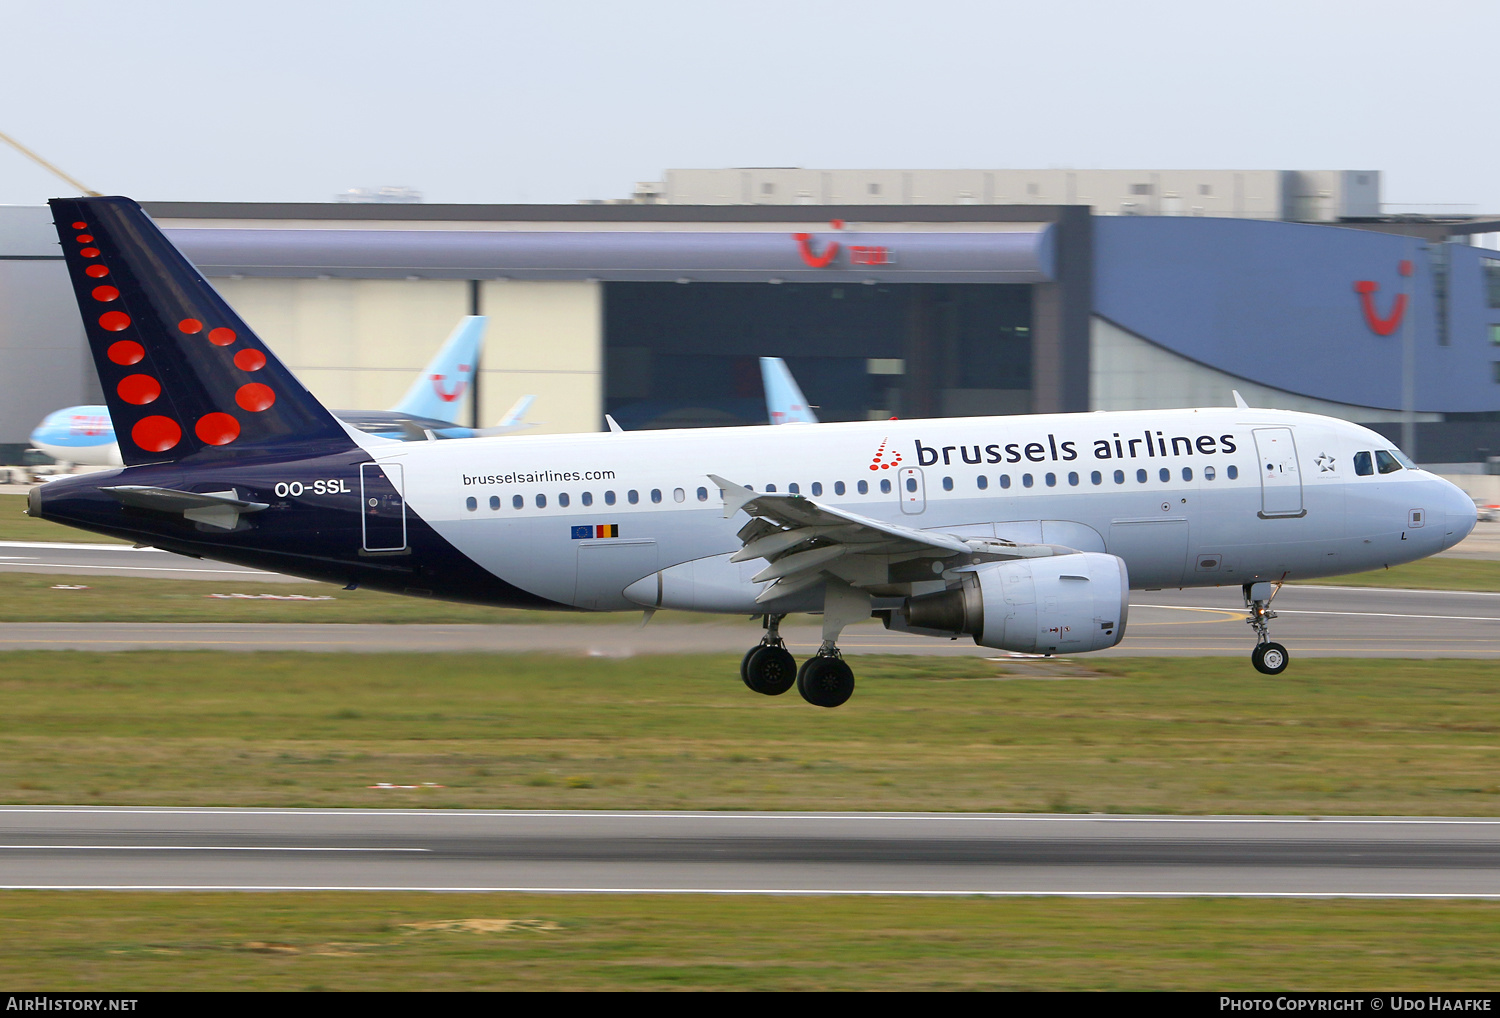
{"type": "Point", "coordinates": [579, 533]}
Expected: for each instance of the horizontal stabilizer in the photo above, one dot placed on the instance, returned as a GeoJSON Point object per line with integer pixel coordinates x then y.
{"type": "Point", "coordinates": [216, 508]}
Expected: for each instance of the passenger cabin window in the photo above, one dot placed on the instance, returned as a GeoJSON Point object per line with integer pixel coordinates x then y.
{"type": "Point", "coordinates": [1051, 480]}
{"type": "Point", "coordinates": [609, 498]}
{"type": "Point", "coordinates": [587, 497]}
{"type": "Point", "coordinates": [471, 503]}
{"type": "Point", "coordinates": [562, 500]}
{"type": "Point", "coordinates": [656, 494]}
{"type": "Point", "coordinates": [770, 487]}
{"type": "Point", "coordinates": [838, 487]}
{"type": "Point", "coordinates": [1385, 462]}
{"type": "Point", "coordinates": [1119, 477]}
{"type": "Point", "coordinates": [885, 486]}
{"type": "Point", "coordinates": [1140, 476]}
{"type": "Point", "coordinates": [1187, 473]}
{"type": "Point", "coordinates": [1208, 473]}
{"type": "Point", "coordinates": [678, 495]}
{"type": "Point", "coordinates": [517, 502]}
{"type": "Point", "coordinates": [817, 488]}
{"type": "Point", "coordinates": [1232, 471]}
{"type": "Point", "coordinates": [864, 487]}
{"type": "Point", "coordinates": [984, 482]}
{"type": "Point", "coordinates": [1096, 477]}
{"type": "Point", "coordinates": [541, 501]}
{"type": "Point", "coordinates": [632, 496]}
{"type": "Point", "coordinates": [494, 502]}
{"type": "Point", "coordinates": [1363, 465]}
{"type": "Point", "coordinates": [1165, 475]}
{"type": "Point", "coordinates": [1005, 480]}
{"type": "Point", "coordinates": [794, 488]}
{"type": "Point", "coordinates": [1073, 477]}
{"type": "Point", "coordinates": [703, 494]}
{"type": "Point", "coordinates": [911, 484]}
{"type": "Point", "coordinates": [1026, 480]}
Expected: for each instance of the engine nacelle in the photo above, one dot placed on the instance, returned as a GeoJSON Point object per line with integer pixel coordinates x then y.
{"type": "Point", "coordinates": [1065, 604]}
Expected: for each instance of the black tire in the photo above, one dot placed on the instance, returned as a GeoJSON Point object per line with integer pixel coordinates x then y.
{"type": "Point", "coordinates": [770, 670]}
{"type": "Point", "coordinates": [745, 664]}
{"type": "Point", "coordinates": [825, 681]}
{"type": "Point", "coordinates": [1270, 658]}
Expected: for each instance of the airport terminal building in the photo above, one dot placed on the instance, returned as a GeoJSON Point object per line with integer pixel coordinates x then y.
{"type": "Point", "coordinates": [655, 311]}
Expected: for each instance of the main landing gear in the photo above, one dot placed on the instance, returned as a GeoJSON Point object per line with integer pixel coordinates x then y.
{"type": "Point", "coordinates": [769, 667]}
{"type": "Point", "coordinates": [1267, 657]}
{"type": "Point", "coordinates": [824, 680]}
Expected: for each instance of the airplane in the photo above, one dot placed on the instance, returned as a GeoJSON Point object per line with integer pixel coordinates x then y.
{"type": "Point", "coordinates": [785, 403]}
{"type": "Point", "coordinates": [1025, 533]}
{"type": "Point", "coordinates": [86, 435]}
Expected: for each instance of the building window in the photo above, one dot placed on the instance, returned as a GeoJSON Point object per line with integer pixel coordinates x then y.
{"type": "Point", "coordinates": [1495, 371]}
{"type": "Point", "coordinates": [494, 502]}
{"type": "Point", "coordinates": [471, 503]}
{"type": "Point", "coordinates": [768, 189]}
{"type": "Point", "coordinates": [1205, 189]}
{"type": "Point", "coordinates": [874, 188]}
{"type": "Point", "coordinates": [1033, 189]}
{"type": "Point", "coordinates": [1140, 188]}
{"type": "Point", "coordinates": [1495, 335]}
{"type": "Point", "coordinates": [984, 482]}
{"type": "Point", "coordinates": [1492, 281]}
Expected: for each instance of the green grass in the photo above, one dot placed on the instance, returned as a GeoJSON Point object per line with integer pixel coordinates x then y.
{"type": "Point", "coordinates": [1428, 574]}
{"type": "Point", "coordinates": [128, 943]}
{"type": "Point", "coordinates": [15, 525]}
{"type": "Point", "coordinates": [681, 732]}
{"type": "Point", "coordinates": [37, 597]}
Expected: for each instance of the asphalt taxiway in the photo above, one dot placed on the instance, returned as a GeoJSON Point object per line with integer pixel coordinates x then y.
{"type": "Point", "coordinates": [756, 853]}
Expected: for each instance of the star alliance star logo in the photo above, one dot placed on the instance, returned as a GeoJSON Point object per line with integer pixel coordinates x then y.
{"type": "Point", "coordinates": [1325, 463]}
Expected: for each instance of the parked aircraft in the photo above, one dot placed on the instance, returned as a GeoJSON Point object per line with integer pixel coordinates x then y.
{"type": "Point", "coordinates": [1025, 533]}
{"type": "Point", "coordinates": [785, 403]}
{"type": "Point", "coordinates": [86, 435]}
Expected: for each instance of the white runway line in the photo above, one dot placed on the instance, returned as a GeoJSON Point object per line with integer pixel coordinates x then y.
{"type": "Point", "coordinates": [1306, 611]}
{"type": "Point", "coordinates": [197, 848]}
{"type": "Point", "coordinates": [770, 892]}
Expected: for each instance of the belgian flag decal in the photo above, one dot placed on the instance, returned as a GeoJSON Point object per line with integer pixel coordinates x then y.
{"type": "Point", "coordinates": [602, 530]}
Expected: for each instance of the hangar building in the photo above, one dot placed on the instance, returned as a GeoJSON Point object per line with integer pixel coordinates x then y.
{"type": "Point", "coordinates": [655, 312]}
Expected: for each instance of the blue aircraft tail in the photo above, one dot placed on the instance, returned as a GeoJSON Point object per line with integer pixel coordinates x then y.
{"type": "Point", "coordinates": [182, 374]}
{"type": "Point", "coordinates": [439, 390]}
{"type": "Point", "coordinates": [785, 403]}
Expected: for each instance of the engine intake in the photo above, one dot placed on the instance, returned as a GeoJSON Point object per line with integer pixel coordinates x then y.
{"type": "Point", "coordinates": [1066, 604]}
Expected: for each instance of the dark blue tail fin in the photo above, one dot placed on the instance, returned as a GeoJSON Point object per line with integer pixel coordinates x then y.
{"type": "Point", "coordinates": [181, 372]}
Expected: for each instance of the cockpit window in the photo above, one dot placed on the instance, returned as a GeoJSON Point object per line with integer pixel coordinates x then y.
{"type": "Point", "coordinates": [1387, 463]}
{"type": "Point", "coordinates": [1404, 460]}
{"type": "Point", "coordinates": [1362, 465]}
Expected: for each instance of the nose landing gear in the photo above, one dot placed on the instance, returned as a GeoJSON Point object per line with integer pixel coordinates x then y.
{"type": "Point", "coordinates": [1268, 657]}
{"type": "Point", "coordinates": [769, 667]}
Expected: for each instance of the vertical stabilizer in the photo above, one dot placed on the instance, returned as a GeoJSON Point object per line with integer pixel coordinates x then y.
{"type": "Point", "coordinates": [785, 403]}
{"type": "Point", "coordinates": [182, 373]}
{"type": "Point", "coordinates": [439, 390]}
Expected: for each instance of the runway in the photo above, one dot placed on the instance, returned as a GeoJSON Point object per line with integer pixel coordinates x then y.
{"type": "Point", "coordinates": [77, 559]}
{"type": "Point", "coordinates": [1315, 621]}
{"type": "Point", "coordinates": [745, 853]}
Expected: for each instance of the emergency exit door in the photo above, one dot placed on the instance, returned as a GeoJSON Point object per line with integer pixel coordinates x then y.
{"type": "Point", "coordinates": [1280, 476]}
{"type": "Point", "coordinates": [912, 492]}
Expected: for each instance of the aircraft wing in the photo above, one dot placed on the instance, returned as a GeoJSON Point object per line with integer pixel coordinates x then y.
{"type": "Point", "coordinates": [803, 541]}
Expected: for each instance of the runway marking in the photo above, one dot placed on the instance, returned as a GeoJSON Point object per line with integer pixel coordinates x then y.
{"type": "Point", "coordinates": [716, 815]}
{"type": "Point", "coordinates": [777, 891]}
{"type": "Point", "coordinates": [1307, 611]}
{"type": "Point", "coordinates": [151, 569]}
{"type": "Point", "coordinates": [199, 848]}
{"type": "Point", "coordinates": [1392, 590]}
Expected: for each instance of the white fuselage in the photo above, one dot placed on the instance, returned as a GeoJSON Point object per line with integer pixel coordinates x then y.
{"type": "Point", "coordinates": [1185, 497]}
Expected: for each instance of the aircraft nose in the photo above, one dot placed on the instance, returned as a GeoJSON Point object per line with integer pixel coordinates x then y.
{"type": "Point", "coordinates": [1460, 514]}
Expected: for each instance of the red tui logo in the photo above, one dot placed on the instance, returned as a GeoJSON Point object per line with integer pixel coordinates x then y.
{"type": "Point", "coordinates": [456, 392]}
{"type": "Point", "coordinates": [811, 257]}
{"type": "Point", "coordinates": [1367, 288]}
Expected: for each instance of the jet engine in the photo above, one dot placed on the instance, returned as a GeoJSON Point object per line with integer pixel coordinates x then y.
{"type": "Point", "coordinates": [1064, 604]}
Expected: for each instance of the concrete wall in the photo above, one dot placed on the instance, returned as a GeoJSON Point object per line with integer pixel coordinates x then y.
{"type": "Point", "coordinates": [545, 338]}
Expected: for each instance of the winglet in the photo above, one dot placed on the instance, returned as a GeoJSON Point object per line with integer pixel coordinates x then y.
{"type": "Point", "coordinates": [614, 425]}
{"type": "Point", "coordinates": [736, 496]}
{"type": "Point", "coordinates": [1239, 400]}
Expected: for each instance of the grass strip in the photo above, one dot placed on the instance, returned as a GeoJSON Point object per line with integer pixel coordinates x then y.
{"type": "Point", "coordinates": [15, 525]}
{"type": "Point", "coordinates": [128, 942]}
{"type": "Point", "coordinates": [1161, 735]}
